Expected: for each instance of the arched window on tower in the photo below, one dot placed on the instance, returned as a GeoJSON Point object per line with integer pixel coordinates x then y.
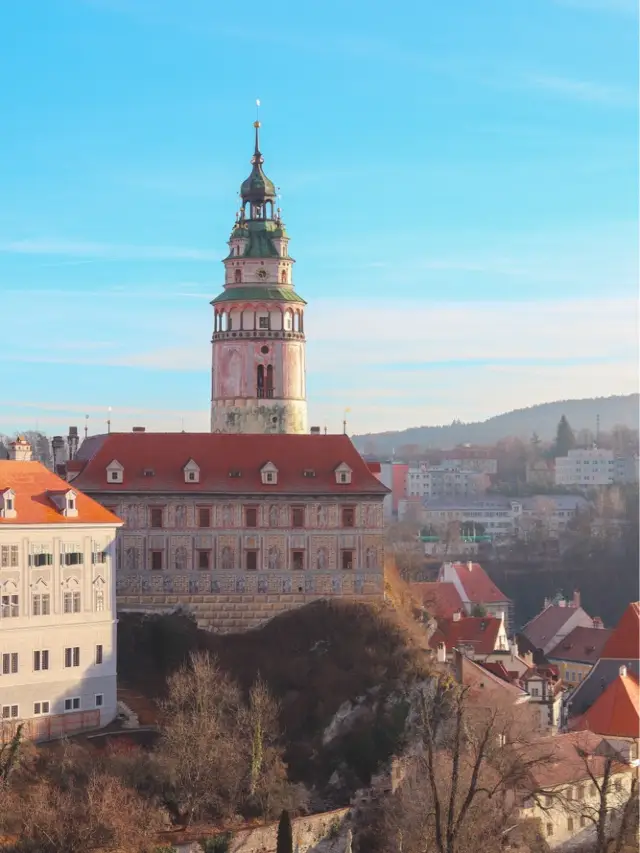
{"type": "Point", "coordinates": [269, 380]}
{"type": "Point", "coordinates": [301, 315]}
{"type": "Point", "coordinates": [260, 385]}
{"type": "Point", "coordinates": [283, 276]}
{"type": "Point", "coordinates": [237, 276]}
{"type": "Point", "coordinates": [287, 321]}
{"type": "Point", "coordinates": [296, 322]}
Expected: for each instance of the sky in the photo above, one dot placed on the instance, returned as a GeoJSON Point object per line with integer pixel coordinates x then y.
{"type": "Point", "coordinates": [459, 181]}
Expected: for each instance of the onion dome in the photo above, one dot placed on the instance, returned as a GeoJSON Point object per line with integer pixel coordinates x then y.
{"type": "Point", "coordinates": [257, 188]}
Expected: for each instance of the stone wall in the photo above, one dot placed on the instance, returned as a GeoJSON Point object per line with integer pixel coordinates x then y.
{"type": "Point", "coordinates": [228, 613]}
{"type": "Point", "coordinates": [312, 833]}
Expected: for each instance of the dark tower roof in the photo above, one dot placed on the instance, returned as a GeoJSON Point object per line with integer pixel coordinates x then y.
{"type": "Point", "coordinates": [257, 187]}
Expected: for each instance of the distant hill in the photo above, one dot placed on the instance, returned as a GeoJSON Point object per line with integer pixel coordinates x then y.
{"type": "Point", "coordinates": [522, 423]}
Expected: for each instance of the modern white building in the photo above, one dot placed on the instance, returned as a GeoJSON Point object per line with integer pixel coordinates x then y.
{"type": "Point", "coordinates": [441, 481]}
{"type": "Point", "coordinates": [57, 603]}
{"type": "Point", "coordinates": [595, 468]}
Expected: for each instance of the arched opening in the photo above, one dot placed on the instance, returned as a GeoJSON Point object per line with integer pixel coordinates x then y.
{"type": "Point", "coordinates": [237, 276]}
{"type": "Point", "coordinates": [283, 276]}
{"type": "Point", "coordinates": [296, 322]}
{"type": "Point", "coordinates": [223, 321]}
{"type": "Point", "coordinates": [301, 322]}
{"type": "Point", "coordinates": [270, 380]}
{"type": "Point", "coordinates": [260, 382]}
{"type": "Point", "coordinates": [287, 321]}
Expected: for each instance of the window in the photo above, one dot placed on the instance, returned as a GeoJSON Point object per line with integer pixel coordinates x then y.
{"type": "Point", "coordinates": [10, 606]}
{"type": "Point", "coordinates": [270, 477]}
{"type": "Point", "coordinates": [156, 516]}
{"type": "Point", "coordinates": [98, 597]}
{"type": "Point", "coordinates": [237, 276]}
{"type": "Point", "coordinates": [71, 602]}
{"type": "Point", "coordinates": [40, 708]}
{"type": "Point", "coordinates": [72, 704]}
{"type": "Point", "coordinates": [99, 654]}
{"type": "Point", "coordinates": [41, 604]}
{"type": "Point", "coordinates": [583, 821]}
{"type": "Point", "coordinates": [191, 476]}
{"type": "Point", "coordinates": [298, 560]}
{"type": "Point", "coordinates": [569, 824]}
{"type": "Point", "coordinates": [297, 516]}
{"type": "Point", "coordinates": [549, 829]}
{"type": "Point", "coordinates": [204, 560]}
{"type": "Point", "coordinates": [204, 516]}
{"type": "Point", "coordinates": [580, 792]}
{"type": "Point", "coordinates": [348, 516]}
{"type": "Point", "coordinates": [263, 322]}
{"type": "Point", "coordinates": [72, 656]}
{"type": "Point", "coordinates": [98, 557]}
{"type": "Point", "coordinates": [99, 700]}
{"type": "Point", "coordinates": [347, 560]}
{"type": "Point", "coordinates": [250, 516]}
{"type": "Point", "coordinates": [535, 691]}
{"type": "Point", "coordinates": [570, 794]}
{"type": "Point", "coordinates": [9, 663]}
{"type": "Point", "coordinates": [72, 558]}
{"type": "Point", "coordinates": [592, 790]}
{"type": "Point", "coordinates": [9, 556]}
{"type": "Point", "coordinates": [42, 559]}
{"type": "Point", "coordinates": [617, 786]}
{"type": "Point", "coordinates": [548, 801]}
{"type": "Point", "coordinates": [252, 561]}
{"type": "Point", "coordinates": [41, 660]}
{"type": "Point", "coordinates": [114, 476]}
{"type": "Point", "coordinates": [156, 561]}
{"type": "Point", "coordinates": [9, 712]}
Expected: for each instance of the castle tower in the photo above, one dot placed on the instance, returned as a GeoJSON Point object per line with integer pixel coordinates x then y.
{"type": "Point", "coordinates": [258, 358]}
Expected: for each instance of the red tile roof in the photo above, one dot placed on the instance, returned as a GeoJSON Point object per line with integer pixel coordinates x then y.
{"type": "Point", "coordinates": [543, 627]}
{"type": "Point", "coordinates": [625, 641]}
{"type": "Point", "coordinates": [582, 645]}
{"type": "Point", "coordinates": [374, 467]}
{"type": "Point", "coordinates": [616, 712]}
{"type": "Point", "coordinates": [480, 632]}
{"type": "Point", "coordinates": [479, 587]}
{"type": "Point", "coordinates": [441, 599]}
{"type": "Point", "coordinates": [478, 678]}
{"type": "Point", "coordinates": [557, 760]}
{"type": "Point", "coordinates": [166, 454]}
{"type": "Point", "coordinates": [35, 487]}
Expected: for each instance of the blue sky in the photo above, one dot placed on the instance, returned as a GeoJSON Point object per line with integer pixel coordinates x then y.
{"type": "Point", "coordinates": [459, 180]}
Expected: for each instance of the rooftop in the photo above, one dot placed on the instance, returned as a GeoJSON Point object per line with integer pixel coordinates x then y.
{"type": "Point", "coordinates": [477, 584]}
{"type": "Point", "coordinates": [616, 712]}
{"type": "Point", "coordinates": [36, 490]}
{"type": "Point", "coordinates": [441, 599]}
{"type": "Point", "coordinates": [582, 645]}
{"type": "Point", "coordinates": [543, 627]}
{"type": "Point", "coordinates": [228, 464]}
{"type": "Point", "coordinates": [562, 759]}
{"type": "Point", "coordinates": [479, 632]}
{"type": "Point", "coordinates": [624, 643]}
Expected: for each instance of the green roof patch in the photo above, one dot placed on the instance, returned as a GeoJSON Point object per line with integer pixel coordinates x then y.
{"type": "Point", "coordinates": [259, 294]}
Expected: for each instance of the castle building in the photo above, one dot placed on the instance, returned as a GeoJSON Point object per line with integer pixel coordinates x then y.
{"type": "Point", "coordinates": [237, 527]}
{"type": "Point", "coordinates": [258, 345]}
{"type": "Point", "coordinates": [57, 603]}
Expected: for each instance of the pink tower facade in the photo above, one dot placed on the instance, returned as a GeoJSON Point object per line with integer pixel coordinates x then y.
{"type": "Point", "coordinates": [258, 370]}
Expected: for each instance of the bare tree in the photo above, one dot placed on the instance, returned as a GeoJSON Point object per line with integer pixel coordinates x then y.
{"type": "Point", "coordinates": [199, 747]}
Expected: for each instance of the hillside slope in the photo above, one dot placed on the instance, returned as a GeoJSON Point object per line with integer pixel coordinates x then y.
{"type": "Point", "coordinates": [313, 659]}
{"type": "Point", "coordinates": [542, 419]}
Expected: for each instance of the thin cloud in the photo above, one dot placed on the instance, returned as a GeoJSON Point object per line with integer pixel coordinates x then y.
{"type": "Point", "coordinates": [579, 90]}
{"type": "Point", "coordinates": [105, 251]}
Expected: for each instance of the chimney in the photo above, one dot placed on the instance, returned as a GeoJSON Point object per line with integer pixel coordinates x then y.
{"type": "Point", "coordinates": [597, 622]}
{"type": "Point", "coordinates": [57, 450]}
{"type": "Point", "coordinates": [456, 616]}
{"type": "Point", "coordinates": [623, 671]}
{"type": "Point", "coordinates": [576, 598]}
{"type": "Point", "coordinates": [513, 648]}
{"type": "Point", "coordinates": [72, 441]}
{"type": "Point", "coordinates": [441, 653]}
{"type": "Point", "coordinates": [138, 429]}
{"type": "Point", "coordinates": [470, 565]}
{"type": "Point", "coordinates": [315, 430]}
{"type": "Point", "coordinates": [562, 603]}
{"type": "Point", "coordinates": [20, 450]}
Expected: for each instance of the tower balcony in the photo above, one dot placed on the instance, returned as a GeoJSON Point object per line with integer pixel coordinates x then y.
{"type": "Point", "coordinates": [257, 335]}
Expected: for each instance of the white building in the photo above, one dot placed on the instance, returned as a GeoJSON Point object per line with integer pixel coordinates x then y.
{"type": "Point", "coordinates": [442, 481]}
{"type": "Point", "coordinates": [57, 603]}
{"type": "Point", "coordinates": [595, 468]}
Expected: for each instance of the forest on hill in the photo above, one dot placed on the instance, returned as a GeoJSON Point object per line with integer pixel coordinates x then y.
{"type": "Point", "coordinates": [520, 423]}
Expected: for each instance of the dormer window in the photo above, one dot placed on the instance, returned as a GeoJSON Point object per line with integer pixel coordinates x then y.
{"type": "Point", "coordinates": [115, 472]}
{"type": "Point", "coordinates": [66, 502]}
{"type": "Point", "coordinates": [269, 474]}
{"type": "Point", "coordinates": [343, 474]}
{"type": "Point", "coordinates": [191, 472]}
{"type": "Point", "coordinates": [8, 504]}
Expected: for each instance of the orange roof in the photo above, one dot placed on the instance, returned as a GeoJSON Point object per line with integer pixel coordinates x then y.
{"type": "Point", "coordinates": [480, 632]}
{"type": "Point", "coordinates": [624, 644]}
{"type": "Point", "coordinates": [35, 488]}
{"type": "Point", "coordinates": [477, 584]}
{"type": "Point", "coordinates": [616, 712]}
{"type": "Point", "coordinates": [440, 598]}
{"type": "Point", "coordinates": [155, 462]}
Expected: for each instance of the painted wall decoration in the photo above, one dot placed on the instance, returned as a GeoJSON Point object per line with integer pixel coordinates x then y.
{"type": "Point", "coordinates": [274, 516]}
{"type": "Point", "coordinates": [231, 373]}
{"type": "Point", "coordinates": [227, 559]}
{"type": "Point", "coordinates": [275, 560]}
{"type": "Point", "coordinates": [181, 515]}
{"type": "Point", "coordinates": [322, 560]}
